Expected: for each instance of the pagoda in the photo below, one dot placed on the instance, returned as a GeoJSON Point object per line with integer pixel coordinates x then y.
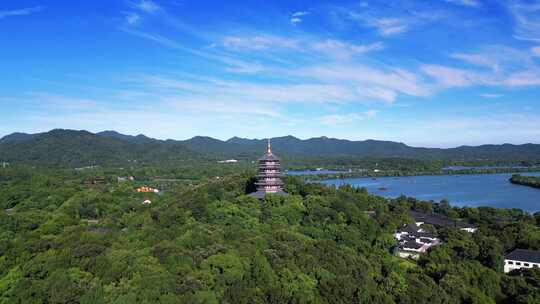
{"type": "Point", "coordinates": [269, 176]}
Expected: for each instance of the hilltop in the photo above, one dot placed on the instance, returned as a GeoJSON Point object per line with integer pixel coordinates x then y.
{"type": "Point", "coordinates": [61, 147]}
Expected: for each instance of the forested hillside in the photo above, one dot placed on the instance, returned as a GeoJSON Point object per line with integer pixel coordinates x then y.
{"type": "Point", "coordinates": [81, 148]}
{"type": "Point", "coordinates": [70, 148]}
{"type": "Point", "coordinates": [207, 242]}
{"type": "Point", "coordinates": [531, 181]}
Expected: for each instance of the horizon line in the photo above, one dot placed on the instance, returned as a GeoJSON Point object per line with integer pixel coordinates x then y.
{"type": "Point", "coordinates": [273, 137]}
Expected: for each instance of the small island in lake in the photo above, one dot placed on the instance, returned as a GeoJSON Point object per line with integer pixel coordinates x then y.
{"type": "Point", "coordinates": [531, 181]}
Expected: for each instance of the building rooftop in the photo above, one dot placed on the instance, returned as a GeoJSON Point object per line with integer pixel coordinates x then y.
{"type": "Point", "coordinates": [524, 255]}
{"type": "Point", "coordinates": [433, 219]}
{"type": "Point", "coordinates": [269, 157]}
{"type": "Point", "coordinates": [411, 245]}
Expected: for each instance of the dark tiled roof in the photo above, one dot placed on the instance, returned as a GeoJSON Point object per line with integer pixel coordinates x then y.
{"type": "Point", "coordinates": [269, 156]}
{"type": "Point", "coordinates": [433, 219]}
{"type": "Point", "coordinates": [410, 244]}
{"type": "Point", "coordinates": [425, 240]}
{"type": "Point", "coordinates": [524, 255]}
{"type": "Point", "coordinates": [423, 235]}
{"type": "Point", "coordinates": [410, 229]}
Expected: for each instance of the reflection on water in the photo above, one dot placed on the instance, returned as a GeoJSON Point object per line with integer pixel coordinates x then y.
{"type": "Point", "coordinates": [461, 190]}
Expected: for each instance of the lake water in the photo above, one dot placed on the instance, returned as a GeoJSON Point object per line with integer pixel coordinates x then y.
{"type": "Point", "coordinates": [485, 167]}
{"type": "Point", "coordinates": [461, 190]}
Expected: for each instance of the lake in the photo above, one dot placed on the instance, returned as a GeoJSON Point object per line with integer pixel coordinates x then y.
{"type": "Point", "coordinates": [461, 190]}
{"type": "Point", "coordinates": [449, 168]}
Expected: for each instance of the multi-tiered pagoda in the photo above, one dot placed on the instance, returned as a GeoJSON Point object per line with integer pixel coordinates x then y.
{"type": "Point", "coordinates": [269, 177]}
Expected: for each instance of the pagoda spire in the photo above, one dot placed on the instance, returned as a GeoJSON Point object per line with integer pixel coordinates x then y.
{"type": "Point", "coordinates": [269, 149]}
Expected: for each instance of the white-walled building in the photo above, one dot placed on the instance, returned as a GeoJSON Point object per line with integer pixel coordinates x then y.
{"type": "Point", "coordinates": [413, 240]}
{"type": "Point", "coordinates": [521, 258]}
{"type": "Point", "coordinates": [228, 161]}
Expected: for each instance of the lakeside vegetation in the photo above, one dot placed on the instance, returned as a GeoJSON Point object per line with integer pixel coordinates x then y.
{"type": "Point", "coordinates": [354, 173]}
{"type": "Point", "coordinates": [531, 181]}
{"type": "Point", "coordinates": [204, 241]}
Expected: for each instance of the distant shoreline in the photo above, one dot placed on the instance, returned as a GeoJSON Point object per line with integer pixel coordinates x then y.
{"type": "Point", "coordinates": [371, 174]}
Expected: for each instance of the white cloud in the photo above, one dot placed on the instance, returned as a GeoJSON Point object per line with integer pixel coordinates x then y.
{"type": "Point", "coordinates": [498, 58]}
{"type": "Point", "coordinates": [491, 95]}
{"type": "Point", "coordinates": [156, 38]}
{"type": "Point", "coordinates": [338, 119]}
{"type": "Point", "coordinates": [146, 6]}
{"type": "Point", "coordinates": [297, 17]}
{"type": "Point", "coordinates": [132, 18]}
{"type": "Point", "coordinates": [370, 82]}
{"type": "Point", "coordinates": [470, 3]}
{"type": "Point", "coordinates": [222, 106]}
{"type": "Point", "coordinates": [296, 20]}
{"type": "Point", "coordinates": [527, 19]}
{"type": "Point", "coordinates": [447, 77]}
{"type": "Point", "coordinates": [258, 43]}
{"type": "Point", "coordinates": [239, 66]}
{"type": "Point", "coordinates": [477, 59]}
{"type": "Point", "coordinates": [525, 78]}
{"type": "Point", "coordinates": [384, 94]}
{"type": "Point", "coordinates": [344, 50]}
{"type": "Point", "coordinates": [510, 67]}
{"type": "Point", "coordinates": [388, 26]}
{"type": "Point", "coordinates": [536, 51]}
{"type": "Point", "coordinates": [300, 14]}
{"type": "Point", "coordinates": [20, 12]}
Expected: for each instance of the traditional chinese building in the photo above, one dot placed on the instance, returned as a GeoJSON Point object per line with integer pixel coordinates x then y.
{"type": "Point", "coordinates": [269, 176]}
{"type": "Point", "coordinates": [521, 258]}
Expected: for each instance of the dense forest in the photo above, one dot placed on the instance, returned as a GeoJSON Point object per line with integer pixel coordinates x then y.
{"type": "Point", "coordinates": [202, 240]}
{"type": "Point", "coordinates": [531, 181]}
{"type": "Point", "coordinates": [69, 148]}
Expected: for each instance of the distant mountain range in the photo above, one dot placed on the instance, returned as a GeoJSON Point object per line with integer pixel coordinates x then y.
{"type": "Point", "coordinates": [80, 148]}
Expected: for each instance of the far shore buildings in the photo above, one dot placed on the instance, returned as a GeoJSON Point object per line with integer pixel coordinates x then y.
{"type": "Point", "coordinates": [146, 189]}
{"type": "Point", "coordinates": [228, 161]}
{"type": "Point", "coordinates": [521, 258]}
{"type": "Point", "coordinates": [269, 175]}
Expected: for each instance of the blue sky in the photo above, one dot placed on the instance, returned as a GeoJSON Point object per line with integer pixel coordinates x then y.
{"type": "Point", "coordinates": [436, 73]}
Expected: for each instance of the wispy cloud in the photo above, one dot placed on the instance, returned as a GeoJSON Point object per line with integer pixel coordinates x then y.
{"type": "Point", "coordinates": [477, 59]}
{"type": "Point", "coordinates": [498, 58]}
{"type": "Point", "coordinates": [155, 38]}
{"type": "Point", "coordinates": [259, 42]}
{"type": "Point", "coordinates": [448, 77]}
{"type": "Point", "coordinates": [536, 51]}
{"type": "Point", "coordinates": [491, 95]}
{"type": "Point", "coordinates": [388, 26]}
{"type": "Point", "coordinates": [305, 46]}
{"type": "Point", "coordinates": [370, 83]}
{"type": "Point", "coordinates": [20, 12]}
{"type": "Point", "coordinates": [298, 16]}
{"type": "Point", "coordinates": [132, 18]}
{"type": "Point", "coordinates": [339, 119]}
{"type": "Point", "coordinates": [469, 3]}
{"type": "Point", "coordinates": [527, 19]}
{"type": "Point", "coordinates": [507, 67]}
{"type": "Point", "coordinates": [344, 50]}
{"type": "Point", "coordinates": [146, 6]}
